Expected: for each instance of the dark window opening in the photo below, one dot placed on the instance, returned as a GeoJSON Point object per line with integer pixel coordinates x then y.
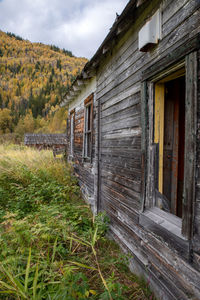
{"type": "Point", "coordinates": [72, 120]}
{"type": "Point", "coordinates": [170, 137]}
{"type": "Point", "coordinates": [88, 131]}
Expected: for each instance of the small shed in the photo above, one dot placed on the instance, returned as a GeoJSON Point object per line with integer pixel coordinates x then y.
{"type": "Point", "coordinates": [45, 141]}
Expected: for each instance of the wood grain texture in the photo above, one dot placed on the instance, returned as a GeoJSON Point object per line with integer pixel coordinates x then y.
{"type": "Point", "coordinates": [122, 162]}
{"type": "Point", "coordinates": [123, 173]}
{"type": "Point", "coordinates": [190, 144]}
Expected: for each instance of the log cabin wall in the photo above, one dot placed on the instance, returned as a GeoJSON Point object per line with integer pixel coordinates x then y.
{"type": "Point", "coordinates": [120, 79]}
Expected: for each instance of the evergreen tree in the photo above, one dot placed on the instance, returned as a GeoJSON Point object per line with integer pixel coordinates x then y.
{"type": "Point", "coordinates": [58, 64]}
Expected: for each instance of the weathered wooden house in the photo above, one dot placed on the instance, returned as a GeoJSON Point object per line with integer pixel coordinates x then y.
{"type": "Point", "coordinates": [134, 139]}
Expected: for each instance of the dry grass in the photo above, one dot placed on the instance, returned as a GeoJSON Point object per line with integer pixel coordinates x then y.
{"type": "Point", "coordinates": [13, 157]}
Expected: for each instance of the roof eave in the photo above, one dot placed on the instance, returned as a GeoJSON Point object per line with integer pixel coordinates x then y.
{"type": "Point", "coordinates": [121, 24]}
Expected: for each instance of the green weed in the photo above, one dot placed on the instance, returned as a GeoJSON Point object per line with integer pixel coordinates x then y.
{"type": "Point", "coordinates": [51, 246]}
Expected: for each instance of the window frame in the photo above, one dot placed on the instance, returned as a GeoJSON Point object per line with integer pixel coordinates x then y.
{"type": "Point", "coordinates": [159, 133]}
{"type": "Point", "coordinates": [151, 217]}
{"type": "Point", "coordinates": [88, 102]}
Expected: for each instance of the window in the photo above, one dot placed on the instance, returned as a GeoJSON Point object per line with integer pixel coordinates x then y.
{"type": "Point", "coordinates": [88, 126]}
{"type": "Point", "coordinates": [72, 122]}
{"type": "Point", "coordinates": [168, 119]}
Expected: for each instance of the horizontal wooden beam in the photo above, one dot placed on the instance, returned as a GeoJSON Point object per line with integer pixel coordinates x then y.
{"type": "Point", "coordinates": [62, 104]}
{"type": "Point", "coordinates": [95, 63]}
{"type": "Point", "coordinates": [76, 88]}
{"type": "Point", "coordinates": [120, 29]}
{"type": "Point", "coordinates": [85, 75]}
{"type": "Point", "coordinates": [80, 82]}
{"type": "Point", "coordinates": [105, 49]}
{"type": "Point", "coordinates": [72, 93]}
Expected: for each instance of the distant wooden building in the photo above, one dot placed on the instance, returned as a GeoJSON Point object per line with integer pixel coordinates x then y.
{"type": "Point", "coordinates": [134, 139]}
{"type": "Point", "coordinates": [45, 141]}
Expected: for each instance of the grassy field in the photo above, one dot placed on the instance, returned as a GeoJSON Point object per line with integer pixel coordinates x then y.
{"type": "Point", "coordinates": [51, 247]}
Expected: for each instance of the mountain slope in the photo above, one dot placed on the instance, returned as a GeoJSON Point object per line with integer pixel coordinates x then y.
{"type": "Point", "coordinates": [33, 77]}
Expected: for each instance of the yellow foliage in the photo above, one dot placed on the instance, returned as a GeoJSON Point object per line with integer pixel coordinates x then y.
{"type": "Point", "coordinates": [5, 120]}
{"type": "Point", "coordinates": [26, 125]}
{"type": "Point", "coordinates": [35, 72]}
{"type": "Point", "coordinates": [58, 121]}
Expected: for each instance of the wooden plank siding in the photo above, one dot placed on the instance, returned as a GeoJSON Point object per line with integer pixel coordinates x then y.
{"type": "Point", "coordinates": [196, 228]}
{"type": "Point", "coordinates": [119, 94]}
{"type": "Point", "coordinates": [82, 169]}
{"type": "Point", "coordinates": [118, 78]}
{"type": "Point", "coordinates": [124, 143]}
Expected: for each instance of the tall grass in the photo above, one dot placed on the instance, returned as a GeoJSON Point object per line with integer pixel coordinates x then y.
{"type": "Point", "coordinates": [9, 138]}
{"type": "Point", "coordinates": [15, 158]}
{"type": "Point", "coordinates": [29, 178]}
{"type": "Point", "coordinates": [51, 247]}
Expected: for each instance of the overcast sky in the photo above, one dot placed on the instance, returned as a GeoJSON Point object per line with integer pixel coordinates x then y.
{"type": "Point", "coordinates": [76, 25]}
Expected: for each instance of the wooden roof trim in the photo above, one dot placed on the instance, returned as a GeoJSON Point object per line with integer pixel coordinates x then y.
{"type": "Point", "coordinates": [76, 88]}
{"type": "Point", "coordinates": [89, 99]}
{"type": "Point", "coordinates": [72, 111]}
{"type": "Point", "coordinates": [80, 82]}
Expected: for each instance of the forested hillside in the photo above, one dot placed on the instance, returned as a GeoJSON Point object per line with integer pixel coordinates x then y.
{"type": "Point", "coordinates": [33, 80]}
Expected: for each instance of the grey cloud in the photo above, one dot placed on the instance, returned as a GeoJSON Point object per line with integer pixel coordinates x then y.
{"type": "Point", "coordinates": [76, 25]}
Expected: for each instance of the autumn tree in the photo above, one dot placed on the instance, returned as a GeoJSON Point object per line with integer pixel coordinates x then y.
{"type": "Point", "coordinates": [58, 121]}
{"type": "Point", "coordinates": [29, 123]}
{"type": "Point", "coordinates": [6, 124]}
{"type": "Point", "coordinates": [25, 125]}
{"type": "Point", "coordinates": [34, 77]}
